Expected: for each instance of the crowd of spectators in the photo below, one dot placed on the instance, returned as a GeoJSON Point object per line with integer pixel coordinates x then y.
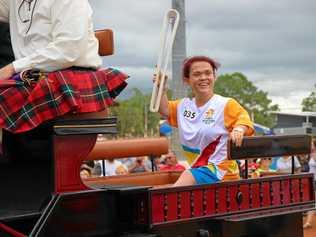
{"type": "Point", "coordinates": [170, 162]}
{"type": "Point", "coordinates": [111, 167]}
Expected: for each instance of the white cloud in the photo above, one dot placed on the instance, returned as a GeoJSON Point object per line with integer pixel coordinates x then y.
{"type": "Point", "coordinates": [271, 42]}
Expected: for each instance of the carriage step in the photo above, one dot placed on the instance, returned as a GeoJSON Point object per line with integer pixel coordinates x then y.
{"type": "Point", "coordinates": [268, 213]}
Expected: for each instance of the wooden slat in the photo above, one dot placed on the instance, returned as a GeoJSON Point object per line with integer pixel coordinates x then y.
{"type": "Point", "coordinates": [197, 202]}
{"type": "Point", "coordinates": [244, 189]}
{"type": "Point", "coordinates": [233, 205]}
{"type": "Point", "coordinates": [270, 146]}
{"type": "Point", "coordinates": [276, 193]}
{"type": "Point", "coordinates": [306, 187]}
{"type": "Point", "coordinates": [222, 205]}
{"type": "Point", "coordinates": [172, 206]}
{"type": "Point", "coordinates": [265, 193]}
{"type": "Point", "coordinates": [106, 42]}
{"type": "Point", "coordinates": [135, 179]}
{"type": "Point", "coordinates": [210, 201]}
{"type": "Point", "coordinates": [121, 148]}
{"type": "Point", "coordinates": [255, 195]}
{"type": "Point", "coordinates": [286, 194]}
{"type": "Point", "coordinates": [185, 205]}
{"type": "Point", "coordinates": [157, 208]}
{"type": "Point", "coordinates": [295, 189]}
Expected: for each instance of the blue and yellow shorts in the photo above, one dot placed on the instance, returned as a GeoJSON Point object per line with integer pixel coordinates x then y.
{"type": "Point", "coordinates": [204, 175]}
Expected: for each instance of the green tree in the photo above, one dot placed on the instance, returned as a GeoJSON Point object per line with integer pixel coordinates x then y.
{"type": "Point", "coordinates": [309, 103]}
{"type": "Point", "coordinates": [134, 119]}
{"type": "Point", "coordinates": [255, 101]}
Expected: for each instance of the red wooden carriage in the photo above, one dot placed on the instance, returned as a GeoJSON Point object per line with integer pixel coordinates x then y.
{"type": "Point", "coordinates": [48, 197]}
{"type": "Point", "coordinates": [146, 204]}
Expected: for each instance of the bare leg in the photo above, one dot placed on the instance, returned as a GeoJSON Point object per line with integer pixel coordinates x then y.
{"type": "Point", "coordinates": [186, 178]}
{"type": "Point", "coordinates": [309, 218]}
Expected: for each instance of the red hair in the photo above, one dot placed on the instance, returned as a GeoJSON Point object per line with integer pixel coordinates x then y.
{"type": "Point", "coordinates": [189, 61]}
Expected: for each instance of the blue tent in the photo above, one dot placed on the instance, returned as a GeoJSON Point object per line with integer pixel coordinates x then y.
{"type": "Point", "coordinates": [165, 129]}
{"type": "Point", "coordinates": [260, 129]}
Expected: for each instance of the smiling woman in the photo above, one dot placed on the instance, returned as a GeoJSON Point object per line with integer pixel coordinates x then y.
{"type": "Point", "coordinates": [205, 124]}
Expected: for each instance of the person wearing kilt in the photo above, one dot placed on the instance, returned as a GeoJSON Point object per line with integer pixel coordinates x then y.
{"type": "Point", "coordinates": [56, 70]}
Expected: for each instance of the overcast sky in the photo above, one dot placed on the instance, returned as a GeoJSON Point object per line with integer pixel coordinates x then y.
{"type": "Point", "coordinates": [272, 42]}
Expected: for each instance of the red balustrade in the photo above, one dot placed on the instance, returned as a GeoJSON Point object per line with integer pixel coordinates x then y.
{"type": "Point", "coordinates": [226, 198]}
{"type": "Point", "coordinates": [286, 194]}
{"type": "Point", "coordinates": [255, 195]}
{"type": "Point", "coordinates": [184, 205]}
{"type": "Point", "coordinates": [210, 201]}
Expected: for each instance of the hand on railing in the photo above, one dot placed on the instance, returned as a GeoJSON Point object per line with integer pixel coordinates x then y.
{"type": "Point", "coordinates": [237, 134]}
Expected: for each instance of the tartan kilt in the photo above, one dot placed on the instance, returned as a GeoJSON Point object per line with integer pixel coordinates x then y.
{"type": "Point", "coordinates": [23, 108]}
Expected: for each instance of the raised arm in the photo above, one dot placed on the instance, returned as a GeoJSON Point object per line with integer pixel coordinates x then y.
{"type": "Point", "coordinates": [163, 108]}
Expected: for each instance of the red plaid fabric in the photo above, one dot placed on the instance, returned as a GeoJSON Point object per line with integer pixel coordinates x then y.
{"type": "Point", "coordinates": [23, 108]}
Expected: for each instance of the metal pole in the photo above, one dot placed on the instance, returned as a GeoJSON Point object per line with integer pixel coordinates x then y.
{"type": "Point", "coordinates": [178, 55]}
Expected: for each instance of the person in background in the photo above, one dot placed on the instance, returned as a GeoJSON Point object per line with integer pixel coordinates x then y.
{"type": "Point", "coordinates": [85, 171]}
{"type": "Point", "coordinates": [284, 164]}
{"type": "Point", "coordinates": [111, 167]}
{"type": "Point", "coordinates": [171, 163]}
{"type": "Point", "coordinates": [252, 166]}
{"type": "Point", "coordinates": [312, 169]}
{"type": "Point", "coordinates": [304, 161]}
{"type": "Point", "coordinates": [205, 123]}
{"type": "Point", "coordinates": [155, 163]}
{"type": "Point", "coordinates": [140, 164]}
{"type": "Point", "coordinates": [274, 162]}
{"type": "Point", "coordinates": [264, 166]}
{"type": "Point", "coordinates": [121, 170]}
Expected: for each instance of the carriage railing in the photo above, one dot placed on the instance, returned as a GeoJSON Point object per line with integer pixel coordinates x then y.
{"type": "Point", "coordinates": [241, 199]}
{"type": "Point", "coordinates": [245, 198]}
{"type": "Point", "coordinates": [268, 147]}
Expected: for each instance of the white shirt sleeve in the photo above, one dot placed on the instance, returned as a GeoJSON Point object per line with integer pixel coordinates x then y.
{"type": "Point", "coordinates": [4, 10]}
{"type": "Point", "coordinates": [70, 27]}
{"type": "Point", "coordinates": [296, 162]}
{"type": "Point", "coordinates": [312, 162]}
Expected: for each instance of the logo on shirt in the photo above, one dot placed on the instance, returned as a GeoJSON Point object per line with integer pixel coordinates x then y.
{"type": "Point", "coordinates": [208, 117]}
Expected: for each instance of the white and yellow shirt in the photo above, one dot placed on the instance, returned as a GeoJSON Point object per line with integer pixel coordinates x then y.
{"type": "Point", "coordinates": [204, 132]}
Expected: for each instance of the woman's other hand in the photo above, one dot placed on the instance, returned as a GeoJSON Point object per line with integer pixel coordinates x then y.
{"type": "Point", "coordinates": [237, 134]}
{"type": "Point", "coordinates": [7, 72]}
